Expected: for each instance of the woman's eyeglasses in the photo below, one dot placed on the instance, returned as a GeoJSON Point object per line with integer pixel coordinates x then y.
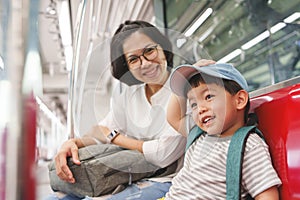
{"type": "Point", "coordinates": [149, 53]}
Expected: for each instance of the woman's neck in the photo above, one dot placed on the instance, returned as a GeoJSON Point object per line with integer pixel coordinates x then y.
{"type": "Point", "coordinates": [151, 89]}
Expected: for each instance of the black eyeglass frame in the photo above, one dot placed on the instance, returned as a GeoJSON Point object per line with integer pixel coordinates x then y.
{"type": "Point", "coordinates": [144, 54]}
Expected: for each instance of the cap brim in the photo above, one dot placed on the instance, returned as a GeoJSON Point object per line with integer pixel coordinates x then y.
{"type": "Point", "coordinates": [180, 77]}
{"type": "Point", "coordinates": [182, 74]}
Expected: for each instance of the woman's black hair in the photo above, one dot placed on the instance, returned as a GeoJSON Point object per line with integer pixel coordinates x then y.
{"type": "Point", "coordinates": [119, 65]}
{"type": "Point", "coordinates": [230, 86]}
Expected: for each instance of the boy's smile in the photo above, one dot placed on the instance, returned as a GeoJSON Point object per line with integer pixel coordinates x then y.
{"type": "Point", "coordinates": [214, 109]}
{"type": "Point", "coordinates": [207, 120]}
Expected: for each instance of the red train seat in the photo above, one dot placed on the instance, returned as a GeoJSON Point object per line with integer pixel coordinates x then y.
{"type": "Point", "coordinates": [278, 113]}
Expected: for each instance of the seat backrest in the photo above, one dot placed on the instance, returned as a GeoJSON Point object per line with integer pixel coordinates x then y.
{"type": "Point", "coordinates": [278, 114]}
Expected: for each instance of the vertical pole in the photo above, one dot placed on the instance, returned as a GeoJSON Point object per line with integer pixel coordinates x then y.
{"type": "Point", "coordinates": [27, 144]}
{"type": "Point", "coordinates": [4, 91]}
{"type": "Point", "coordinates": [74, 70]}
{"type": "Point", "coordinates": [270, 57]}
{"type": "Point", "coordinates": [3, 139]}
{"type": "Point", "coordinates": [21, 132]}
{"type": "Point", "coordinates": [16, 34]}
{"type": "Point", "coordinates": [28, 151]}
{"type": "Point", "coordinates": [165, 16]}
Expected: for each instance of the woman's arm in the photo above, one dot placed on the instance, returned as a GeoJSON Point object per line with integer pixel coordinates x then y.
{"type": "Point", "coordinates": [165, 150]}
{"type": "Point", "coordinates": [176, 114]}
{"type": "Point", "coordinates": [120, 140]}
{"type": "Point", "coordinates": [129, 143]}
{"type": "Point", "coordinates": [161, 152]}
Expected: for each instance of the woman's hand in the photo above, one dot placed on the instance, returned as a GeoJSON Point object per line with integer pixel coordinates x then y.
{"type": "Point", "coordinates": [204, 62]}
{"type": "Point", "coordinates": [68, 149]}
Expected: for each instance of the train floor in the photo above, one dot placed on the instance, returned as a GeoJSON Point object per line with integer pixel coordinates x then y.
{"type": "Point", "coordinates": [43, 188]}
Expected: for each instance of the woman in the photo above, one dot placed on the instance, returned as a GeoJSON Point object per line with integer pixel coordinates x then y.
{"type": "Point", "coordinates": [142, 58]}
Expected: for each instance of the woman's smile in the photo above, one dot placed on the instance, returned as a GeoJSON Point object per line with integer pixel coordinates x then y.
{"type": "Point", "coordinates": [151, 72]}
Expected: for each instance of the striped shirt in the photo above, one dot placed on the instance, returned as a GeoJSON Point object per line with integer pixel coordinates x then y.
{"type": "Point", "coordinates": [204, 173]}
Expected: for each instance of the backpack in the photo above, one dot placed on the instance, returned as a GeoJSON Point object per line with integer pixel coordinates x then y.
{"type": "Point", "coordinates": [234, 158]}
{"type": "Point", "coordinates": [105, 168]}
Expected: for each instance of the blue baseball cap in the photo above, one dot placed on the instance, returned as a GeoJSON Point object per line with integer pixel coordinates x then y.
{"type": "Point", "coordinates": [181, 75]}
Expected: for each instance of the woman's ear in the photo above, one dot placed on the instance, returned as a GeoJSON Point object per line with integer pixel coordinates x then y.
{"type": "Point", "coordinates": [242, 97]}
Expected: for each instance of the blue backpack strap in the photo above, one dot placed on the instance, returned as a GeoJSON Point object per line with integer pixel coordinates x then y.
{"type": "Point", "coordinates": [193, 135]}
{"type": "Point", "coordinates": [235, 160]}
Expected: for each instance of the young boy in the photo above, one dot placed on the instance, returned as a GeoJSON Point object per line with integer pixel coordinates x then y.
{"type": "Point", "coordinates": [218, 98]}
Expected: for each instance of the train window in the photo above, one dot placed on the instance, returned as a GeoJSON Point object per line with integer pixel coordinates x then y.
{"type": "Point", "coordinates": [261, 37]}
{"type": "Point", "coordinates": [71, 43]}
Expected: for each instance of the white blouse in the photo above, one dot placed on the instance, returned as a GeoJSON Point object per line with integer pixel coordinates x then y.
{"type": "Point", "coordinates": [132, 115]}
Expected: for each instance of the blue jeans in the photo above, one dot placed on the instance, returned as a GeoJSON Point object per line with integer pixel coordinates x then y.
{"type": "Point", "coordinates": [67, 197]}
{"type": "Point", "coordinates": [143, 190]}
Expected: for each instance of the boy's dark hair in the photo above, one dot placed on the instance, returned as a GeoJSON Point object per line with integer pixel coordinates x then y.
{"type": "Point", "coordinates": [230, 86]}
{"type": "Point", "coordinates": [120, 68]}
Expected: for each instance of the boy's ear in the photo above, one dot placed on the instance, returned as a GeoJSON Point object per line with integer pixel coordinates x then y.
{"type": "Point", "coordinates": [242, 97]}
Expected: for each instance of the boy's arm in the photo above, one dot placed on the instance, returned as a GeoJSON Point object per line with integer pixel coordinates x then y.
{"type": "Point", "coordinates": [269, 194]}
{"type": "Point", "coordinates": [176, 114]}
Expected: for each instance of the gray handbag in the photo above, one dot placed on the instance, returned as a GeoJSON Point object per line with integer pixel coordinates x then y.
{"type": "Point", "coordinates": [103, 169]}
